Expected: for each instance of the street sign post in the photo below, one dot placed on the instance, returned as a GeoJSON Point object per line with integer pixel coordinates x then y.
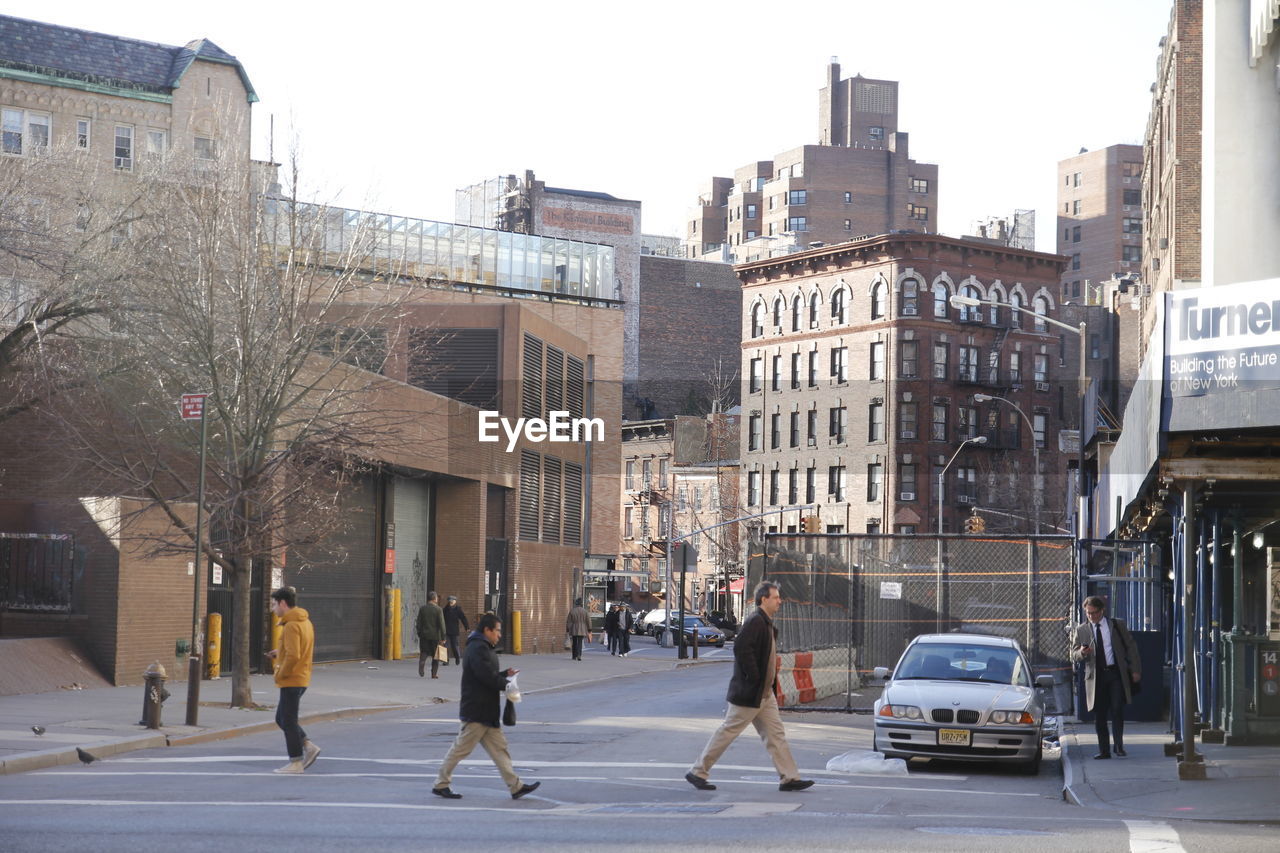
{"type": "Point", "coordinates": [192, 408]}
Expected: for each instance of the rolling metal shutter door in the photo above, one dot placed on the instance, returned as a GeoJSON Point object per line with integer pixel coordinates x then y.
{"type": "Point", "coordinates": [410, 513]}
{"type": "Point", "coordinates": [339, 579]}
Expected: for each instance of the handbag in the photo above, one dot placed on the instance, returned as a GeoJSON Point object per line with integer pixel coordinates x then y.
{"type": "Point", "coordinates": [509, 714]}
{"type": "Point", "coordinates": [568, 642]}
{"type": "Point", "coordinates": [442, 653]}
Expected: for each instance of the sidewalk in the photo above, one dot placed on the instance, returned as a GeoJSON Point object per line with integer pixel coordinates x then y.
{"type": "Point", "coordinates": [1241, 783]}
{"type": "Point", "coordinates": [104, 720]}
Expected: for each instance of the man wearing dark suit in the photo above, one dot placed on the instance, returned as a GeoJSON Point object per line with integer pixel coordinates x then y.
{"type": "Point", "coordinates": [1111, 668]}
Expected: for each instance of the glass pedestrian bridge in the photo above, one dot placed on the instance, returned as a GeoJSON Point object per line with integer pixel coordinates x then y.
{"type": "Point", "coordinates": [437, 251]}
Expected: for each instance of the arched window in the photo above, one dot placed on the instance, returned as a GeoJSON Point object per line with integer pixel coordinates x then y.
{"type": "Point", "coordinates": [837, 305]}
{"type": "Point", "coordinates": [777, 311]}
{"type": "Point", "coordinates": [1041, 309]}
{"type": "Point", "coordinates": [813, 311]}
{"type": "Point", "coordinates": [940, 301]}
{"type": "Point", "coordinates": [795, 313]}
{"type": "Point", "coordinates": [757, 320]}
{"type": "Point", "coordinates": [994, 310]}
{"type": "Point", "coordinates": [970, 314]}
{"type": "Point", "coordinates": [1015, 310]}
{"type": "Point", "coordinates": [877, 300]}
{"type": "Point", "coordinates": [910, 298]}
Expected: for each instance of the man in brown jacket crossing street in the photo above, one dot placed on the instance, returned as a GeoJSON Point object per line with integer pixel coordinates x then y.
{"type": "Point", "coordinates": [293, 675]}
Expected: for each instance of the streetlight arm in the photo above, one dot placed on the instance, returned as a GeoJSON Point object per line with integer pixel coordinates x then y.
{"type": "Point", "coordinates": [970, 302]}
{"type": "Point", "coordinates": [977, 439]}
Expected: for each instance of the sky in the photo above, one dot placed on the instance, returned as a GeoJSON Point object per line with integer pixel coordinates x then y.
{"type": "Point", "coordinates": [395, 105]}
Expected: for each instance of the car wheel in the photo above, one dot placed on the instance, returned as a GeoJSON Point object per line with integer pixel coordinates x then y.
{"type": "Point", "coordinates": [1032, 767]}
{"type": "Point", "coordinates": [875, 744]}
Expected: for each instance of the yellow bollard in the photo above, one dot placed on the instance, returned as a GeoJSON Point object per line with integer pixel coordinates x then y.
{"type": "Point", "coordinates": [277, 628]}
{"type": "Point", "coordinates": [516, 639]}
{"type": "Point", "coordinates": [386, 624]}
{"type": "Point", "coordinates": [397, 641]}
{"type": "Point", "coordinates": [213, 646]}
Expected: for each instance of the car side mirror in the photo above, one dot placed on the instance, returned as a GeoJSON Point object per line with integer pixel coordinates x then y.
{"type": "Point", "coordinates": [882, 672]}
{"type": "Point", "coordinates": [1045, 681]}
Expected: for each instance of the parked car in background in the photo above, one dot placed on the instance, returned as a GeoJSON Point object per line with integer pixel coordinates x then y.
{"type": "Point", "coordinates": [967, 697]}
{"type": "Point", "coordinates": [708, 635]}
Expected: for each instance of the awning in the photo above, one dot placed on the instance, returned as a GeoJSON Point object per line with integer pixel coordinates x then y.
{"type": "Point", "coordinates": [734, 586]}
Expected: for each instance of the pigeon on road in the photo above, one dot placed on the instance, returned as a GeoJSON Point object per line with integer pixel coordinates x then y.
{"type": "Point", "coordinates": [39, 730]}
{"type": "Point", "coordinates": [86, 757]}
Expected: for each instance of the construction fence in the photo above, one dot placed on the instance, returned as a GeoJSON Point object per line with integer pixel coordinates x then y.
{"type": "Point", "coordinates": [852, 602]}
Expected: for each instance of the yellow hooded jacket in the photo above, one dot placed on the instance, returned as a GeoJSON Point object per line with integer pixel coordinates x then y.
{"type": "Point", "coordinates": [297, 644]}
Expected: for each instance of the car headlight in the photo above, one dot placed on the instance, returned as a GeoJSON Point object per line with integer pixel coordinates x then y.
{"type": "Point", "coordinates": [1022, 718]}
{"type": "Point", "coordinates": [901, 712]}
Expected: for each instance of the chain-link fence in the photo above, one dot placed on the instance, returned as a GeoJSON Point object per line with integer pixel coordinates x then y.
{"type": "Point", "coordinates": [868, 596]}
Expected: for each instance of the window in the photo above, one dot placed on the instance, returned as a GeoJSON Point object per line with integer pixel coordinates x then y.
{"type": "Point", "coordinates": [836, 423]}
{"type": "Point", "coordinates": [752, 211]}
{"type": "Point", "coordinates": [837, 305]}
{"type": "Point", "coordinates": [1075, 261]}
{"type": "Point", "coordinates": [124, 148]}
{"type": "Point", "coordinates": [793, 486]}
{"type": "Point", "coordinates": [664, 466]}
{"type": "Point", "coordinates": [646, 473]}
{"type": "Point", "coordinates": [631, 474]}
{"type": "Point", "coordinates": [813, 311]}
{"type": "Point", "coordinates": [1133, 226]}
{"type": "Point", "coordinates": [794, 433]}
{"type": "Point", "coordinates": [810, 485]}
{"type": "Point", "coordinates": [753, 432]}
{"type": "Point", "coordinates": [918, 212]}
{"type": "Point", "coordinates": [1075, 234]}
{"type": "Point", "coordinates": [907, 415]}
{"type": "Point", "coordinates": [1015, 368]}
{"type": "Point", "coordinates": [777, 312]}
{"type": "Point", "coordinates": [1132, 197]}
{"type": "Point", "coordinates": [967, 484]}
{"type": "Point", "coordinates": [795, 370]}
{"type": "Point", "coordinates": [874, 478]}
{"type": "Point", "coordinates": [24, 132]}
{"type": "Point", "coordinates": [775, 431]}
{"type": "Point", "coordinates": [796, 309]}
{"type": "Point", "coordinates": [848, 225]}
{"type": "Point", "coordinates": [877, 300]}
{"type": "Point", "coordinates": [813, 368]}
{"type": "Point", "coordinates": [848, 197]}
{"type": "Point", "coordinates": [776, 379]}
{"type": "Point", "coordinates": [839, 368]}
{"type": "Point", "coordinates": [877, 360]}
{"type": "Point", "coordinates": [82, 133]}
{"type": "Point", "coordinates": [157, 142]}
{"type": "Point", "coordinates": [753, 488]}
{"type": "Point", "coordinates": [939, 431]}
{"type": "Point", "coordinates": [1040, 367]}
{"type": "Point", "coordinates": [798, 197]}
{"type": "Point", "coordinates": [876, 133]}
{"type": "Point", "coordinates": [1131, 254]}
{"type": "Point", "coordinates": [875, 422]}
{"type": "Point", "coordinates": [1041, 308]}
{"type": "Point", "coordinates": [1037, 428]}
{"type": "Point", "coordinates": [205, 149]}
{"type": "Point", "coordinates": [919, 185]}
{"type": "Point", "coordinates": [628, 523]}
{"type": "Point", "coordinates": [835, 482]}
{"type": "Point", "coordinates": [1095, 346]}
{"type": "Point", "coordinates": [1076, 180]}
{"type": "Point", "coordinates": [909, 360]}
{"type": "Point", "coordinates": [797, 223]}
{"type": "Point", "coordinates": [773, 487]}
{"type": "Point", "coordinates": [970, 313]}
{"type": "Point", "coordinates": [811, 427]}
{"type": "Point", "coordinates": [910, 297]}
{"type": "Point", "coordinates": [1016, 307]}
{"type": "Point", "coordinates": [757, 375]}
{"type": "Point", "coordinates": [940, 301]}
{"type": "Point", "coordinates": [907, 481]}
{"type": "Point", "coordinates": [966, 422]}
{"type": "Point", "coordinates": [967, 370]}
{"type": "Point", "coordinates": [941, 355]}
{"type": "Point", "coordinates": [905, 529]}
{"type": "Point", "coordinates": [1075, 207]}
{"type": "Point", "coordinates": [757, 320]}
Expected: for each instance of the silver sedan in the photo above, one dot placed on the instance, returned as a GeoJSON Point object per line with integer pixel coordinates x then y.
{"type": "Point", "coordinates": [967, 697]}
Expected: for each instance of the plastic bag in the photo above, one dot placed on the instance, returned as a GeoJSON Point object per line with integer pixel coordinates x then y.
{"type": "Point", "coordinates": [863, 761]}
{"type": "Point", "coordinates": [513, 690]}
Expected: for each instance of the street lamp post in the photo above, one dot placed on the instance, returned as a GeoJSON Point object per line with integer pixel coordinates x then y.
{"type": "Point", "coordinates": [958, 301]}
{"type": "Point", "coordinates": [1037, 493]}
{"type": "Point", "coordinates": [977, 439]}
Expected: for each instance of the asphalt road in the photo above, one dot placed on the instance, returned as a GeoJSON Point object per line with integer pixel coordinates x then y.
{"type": "Point", "coordinates": [611, 758]}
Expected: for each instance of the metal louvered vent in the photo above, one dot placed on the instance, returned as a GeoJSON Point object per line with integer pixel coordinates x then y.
{"type": "Point", "coordinates": [572, 503]}
{"type": "Point", "coordinates": [461, 364]}
{"type": "Point", "coordinates": [530, 500]}
{"type": "Point", "coordinates": [575, 387]}
{"type": "Point", "coordinates": [551, 500]}
{"type": "Point", "coordinates": [555, 379]}
{"type": "Point", "coordinates": [531, 378]}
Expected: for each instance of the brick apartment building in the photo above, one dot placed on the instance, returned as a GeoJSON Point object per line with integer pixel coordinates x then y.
{"type": "Point", "coordinates": [1099, 218]}
{"type": "Point", "coordinates": [859, 179]}
{"type": "Point", "coordinates": [524, 325]}
{"type": "Point", "coordinates": [861, 380]}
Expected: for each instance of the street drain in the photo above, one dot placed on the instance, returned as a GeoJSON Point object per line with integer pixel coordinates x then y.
{"type": "Point", "coordinates": [655, 808]}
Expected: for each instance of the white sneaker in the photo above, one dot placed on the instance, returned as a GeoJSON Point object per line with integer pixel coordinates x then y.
{"type": "Point", "coordinates": [292, 768]}
{"type": "Point", "coordinates": [310, 752]}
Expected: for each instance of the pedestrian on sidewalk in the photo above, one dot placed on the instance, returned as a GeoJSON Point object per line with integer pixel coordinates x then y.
{"type": "Point", "coordinates": [751, 697]}
{"type": "Point", "coordinates": [625, 622]}
{"type": "Point", "coordinates": [1112, 671]}
{"type": "Point", "coordinates": [480, 711]}
{"type": "Point", "coordinates": [453, 619]}
{"type": "Point", "coordinates": [430, 628]}
{"type": "Point", "coordinates": [578, 625]}
{"type": "Point", "coordinates": [611, 629]}
{"type": "Point", "coordinates": [293, 676]}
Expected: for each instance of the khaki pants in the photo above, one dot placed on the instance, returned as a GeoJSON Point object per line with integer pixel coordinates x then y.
{"type": "Point", "coordinates": [494, 743]}
{"type": "Point", "coordinates": [768, 723]}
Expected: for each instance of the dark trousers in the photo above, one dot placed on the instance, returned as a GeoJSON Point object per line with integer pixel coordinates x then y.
{"type": "Point", "coordinates": [577, 647]}
{"type": "Point", "coordinates": [427, 651]}
{"type": "Point", "coordinates": [1108, 702]}
{"type": "Point", "coordinates": [452, 642]}
{"type": "Point", "coordinates": [624, 641]}
{"type": "Point", "coordinates": [613, 641]}
{"type": "Point", "coordinates": [287, 720]}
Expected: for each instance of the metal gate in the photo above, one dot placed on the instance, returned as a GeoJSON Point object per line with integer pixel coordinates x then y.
{"type": "Point", "coordinates": [37, 571]}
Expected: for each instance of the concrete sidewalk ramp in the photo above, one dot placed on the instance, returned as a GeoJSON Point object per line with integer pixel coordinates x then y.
{"type": "Point", "coordinates": [45, 664]}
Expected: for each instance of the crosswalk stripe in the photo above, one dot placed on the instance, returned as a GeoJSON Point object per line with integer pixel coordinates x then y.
{"type": "Point", "coordinates": [1151, 836]}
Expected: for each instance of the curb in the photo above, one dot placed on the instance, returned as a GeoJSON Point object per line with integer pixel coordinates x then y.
{"type": "Point", "coordinates": [267, 726]}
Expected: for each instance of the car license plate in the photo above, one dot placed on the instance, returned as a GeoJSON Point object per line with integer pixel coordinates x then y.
{"type": "Point", "coordinates": [953, 737]}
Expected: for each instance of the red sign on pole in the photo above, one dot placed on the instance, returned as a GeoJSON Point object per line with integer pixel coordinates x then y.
{"type": "Point", "coordinates": [192, 406]}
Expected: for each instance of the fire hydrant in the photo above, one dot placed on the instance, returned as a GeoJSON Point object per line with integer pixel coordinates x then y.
{"type": "Point", "coordinates": [153, 695]}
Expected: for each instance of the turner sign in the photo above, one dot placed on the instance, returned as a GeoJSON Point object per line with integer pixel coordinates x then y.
{"type": "Point", "coordinates": [558, 427]}
{"type": "Point", "coordinates": [1223, 339]}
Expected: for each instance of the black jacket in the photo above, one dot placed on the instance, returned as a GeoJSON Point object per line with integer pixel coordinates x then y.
{"type": "Point", "coordinates": [453, 615]}
{"type": "Point", "coordinates": [482, 683]}
{"type": "Point", "coordinates": [751, 661]}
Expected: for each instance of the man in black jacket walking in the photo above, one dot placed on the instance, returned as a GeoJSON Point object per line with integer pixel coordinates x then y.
{"type": "Point", "coordinates": [751, 697]}
{"type": "Point", "coordinates": [455, 621]}
{"type": "Point", "coordinates": [481, 711]}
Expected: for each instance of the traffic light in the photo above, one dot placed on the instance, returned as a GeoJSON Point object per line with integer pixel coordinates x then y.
{"type": "Point", "coordinates": [812, 524]}
{"type": "Point", "coordinates": [975, 524]}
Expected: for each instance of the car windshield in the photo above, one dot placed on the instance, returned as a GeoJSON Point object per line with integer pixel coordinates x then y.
{"type": "Point", "coordinates": [694, 622]}
{"type": "Point", "coordinates": [960, 661]}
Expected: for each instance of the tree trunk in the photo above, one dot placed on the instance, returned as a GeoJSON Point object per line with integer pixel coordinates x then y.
{"type": "Point", "coordinates": [242, 643]}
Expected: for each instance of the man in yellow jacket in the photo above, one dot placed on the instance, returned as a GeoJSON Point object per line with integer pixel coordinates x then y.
{"type": "Point", "coordinates": [293, 674]}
